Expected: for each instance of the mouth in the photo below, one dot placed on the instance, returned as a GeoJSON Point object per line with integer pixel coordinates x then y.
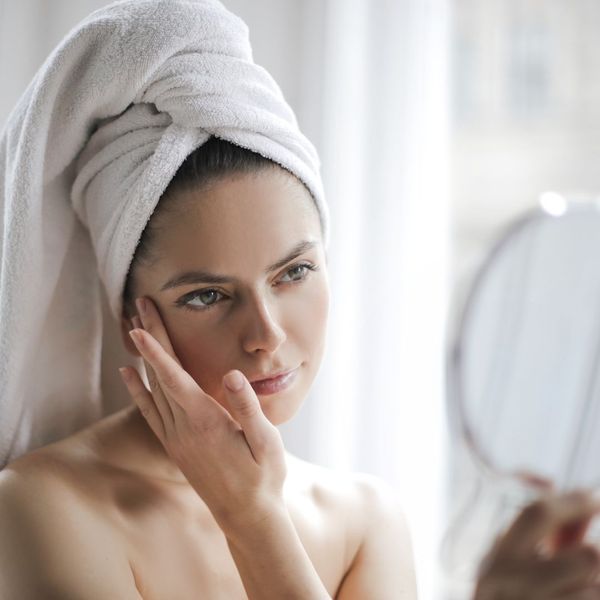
{"type": "Point", "coordinates": [276, 384]}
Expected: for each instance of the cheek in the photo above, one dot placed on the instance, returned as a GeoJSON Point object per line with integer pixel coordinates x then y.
{"type": "Point", "coordinates": [207, 354]}
{"type": "Point", "coordinates": [202, 354]}
{"type": "Point", "coordinates": [320, 301]}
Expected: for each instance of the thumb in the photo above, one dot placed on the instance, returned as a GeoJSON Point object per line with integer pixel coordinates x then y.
{"type": "Point", "coordinates": [245, 408]}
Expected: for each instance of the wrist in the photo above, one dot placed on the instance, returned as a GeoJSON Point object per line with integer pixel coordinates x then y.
{"type": "Point", "coordinates": [257, 521]}
{"type": "Point", "coordinates": [254, 518]}
{"type": "Point", "coordinates": [271, 558]}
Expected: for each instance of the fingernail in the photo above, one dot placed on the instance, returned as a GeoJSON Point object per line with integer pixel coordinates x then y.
{"type": "Point", "coordinates": [141, 304]}
{"type": "Point", "coordinates": [234, 381]}
{"type": "Point", "coordinates": [124, 374]}
{"type": "Point", "coordinates": [136, 336]}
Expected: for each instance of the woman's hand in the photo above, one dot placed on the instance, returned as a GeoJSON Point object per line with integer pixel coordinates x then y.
{"type": "Point", "coordinates": [542, 555]}
{"type": "Point", "coordinates": [233, 458]}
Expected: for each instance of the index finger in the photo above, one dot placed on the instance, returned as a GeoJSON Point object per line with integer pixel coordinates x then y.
{"type": "Point", "coordinates": [153, 324]}
{"type": "Point", "coordinates": [547, 517]}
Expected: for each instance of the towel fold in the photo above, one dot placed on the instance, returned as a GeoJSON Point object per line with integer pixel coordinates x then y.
{"type": "Point", "coordinates": [84, 157]}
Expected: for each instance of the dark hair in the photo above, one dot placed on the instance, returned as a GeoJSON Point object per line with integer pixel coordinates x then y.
{"type": "Point", "coordinates": [214, 160]}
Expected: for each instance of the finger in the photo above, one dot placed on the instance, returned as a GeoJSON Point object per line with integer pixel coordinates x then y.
{"type": "Point", "coordinates": [159, 333]}
{"type": "Point", "coordinates": [246, 410]}
{"type": "Point", "coordinates": [570, 534]}
{"type": "Point", "coordinates": [588, 593]}
{"type": "Point", "coordinates": [152, 323]}
{"type": "Point", "coordinates": [143, 400]}
{"type": "Point", "coordinates": [568, 569]}
{"type": "Point", "coordinates": [537, 481]}
{"type": "Point", "coordinates": [544, 517]}
{"type": "Point", "coordinates": [175, 382]}
{"type": "Point", "coordinates": [164, 406]}
{"type": "Point", "coordinates": [152, 352]}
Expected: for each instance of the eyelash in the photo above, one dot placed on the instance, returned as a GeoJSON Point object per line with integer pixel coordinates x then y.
{"type": "Point", "coordinates": [183, 301]}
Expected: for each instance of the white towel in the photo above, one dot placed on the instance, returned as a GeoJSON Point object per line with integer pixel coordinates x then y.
{"type": "Point", "coordinates": [84, 157]}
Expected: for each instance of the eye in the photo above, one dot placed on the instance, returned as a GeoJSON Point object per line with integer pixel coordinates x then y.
{"type": "Point", "coordinates": [300, 268]}
{"type": "Point", "coordinates": [186, 301]}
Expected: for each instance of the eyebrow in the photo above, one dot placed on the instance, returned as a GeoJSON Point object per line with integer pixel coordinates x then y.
{"type": "Point", "coordinates": [200, 276]}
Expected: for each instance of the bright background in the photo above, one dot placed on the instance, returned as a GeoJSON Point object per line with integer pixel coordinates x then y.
{"type": "Point", "coordinates": [525, 119]}
{"type": "Point", "coordinates": [437, 121]}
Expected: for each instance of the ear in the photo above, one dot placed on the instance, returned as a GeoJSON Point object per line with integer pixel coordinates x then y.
{"type": "Point", "coordinates": [126, 327]}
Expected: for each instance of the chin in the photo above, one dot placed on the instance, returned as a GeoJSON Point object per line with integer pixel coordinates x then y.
{"type": "Point", "coordinates": [279, 409]}
{"type": "Point", "coordinates": [282, 407]}
{"type": "Point", "coordinates": [279, 415]}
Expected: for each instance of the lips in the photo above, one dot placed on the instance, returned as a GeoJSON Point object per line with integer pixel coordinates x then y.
{"type": "Point", "coordinates": [274, 375]}
{"type": "Point", "coordinates": [273, 385]}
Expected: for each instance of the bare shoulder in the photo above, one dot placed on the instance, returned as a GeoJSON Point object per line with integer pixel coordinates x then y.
{"type": "Point", "coordinates": [363, 495]}
{"type": "Point", "coordinates": [58, 477]}
{"type": "Point", "coordinates": [340, 494]}
{"type": "Point", "coordinates": [382, 563]}
{"type": "Point", "coordinates": [52, 545]}
{"type": "Point", "coordinates": [37, 479]}
{"type": "Point", "coordinates": [324, 484]}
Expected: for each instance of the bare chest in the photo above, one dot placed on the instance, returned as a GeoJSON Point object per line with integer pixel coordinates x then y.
{"type": "Point", "coordinates": [176, 558]}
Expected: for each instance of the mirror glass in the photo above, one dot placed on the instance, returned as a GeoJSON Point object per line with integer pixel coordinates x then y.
{"type": "Point", "coordinates": [524, 366]}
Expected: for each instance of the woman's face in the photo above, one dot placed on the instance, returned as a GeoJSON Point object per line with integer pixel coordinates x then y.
{"type": "Point", "coordinates": [229, 291]}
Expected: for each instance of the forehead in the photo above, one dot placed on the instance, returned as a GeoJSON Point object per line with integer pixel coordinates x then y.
{"type": "Point", "coordinates": [245, 216]}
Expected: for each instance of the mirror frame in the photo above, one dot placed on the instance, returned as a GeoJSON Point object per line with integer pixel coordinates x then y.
{"type": "Point", "coordinates": [551, 206]}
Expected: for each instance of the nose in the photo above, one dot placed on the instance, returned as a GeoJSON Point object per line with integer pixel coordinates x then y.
{"type": "Point", "coordinates": [263, 332]}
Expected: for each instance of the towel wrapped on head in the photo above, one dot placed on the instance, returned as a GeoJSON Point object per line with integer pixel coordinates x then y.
{"type": "Point", "coordinates": [84, 158]}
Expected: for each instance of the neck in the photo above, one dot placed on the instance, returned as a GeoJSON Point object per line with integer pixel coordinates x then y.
{"type": "Point", "coordinates": [145, 452]}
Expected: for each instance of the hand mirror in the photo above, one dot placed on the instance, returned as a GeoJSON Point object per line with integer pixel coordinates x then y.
{"type": "Point", "coordinates": [524, 365]}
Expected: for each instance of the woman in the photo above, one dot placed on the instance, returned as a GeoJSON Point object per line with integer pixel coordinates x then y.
{"type": "Point", "coordinates": [175, 505]}
{"type": "Point", "coordinates": [129, 95]}
{"type": "Point", "coordinates": [189, 492]}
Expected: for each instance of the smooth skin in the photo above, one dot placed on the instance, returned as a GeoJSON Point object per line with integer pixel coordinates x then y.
{"type": "Point", "coordinates": [189, 492]}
